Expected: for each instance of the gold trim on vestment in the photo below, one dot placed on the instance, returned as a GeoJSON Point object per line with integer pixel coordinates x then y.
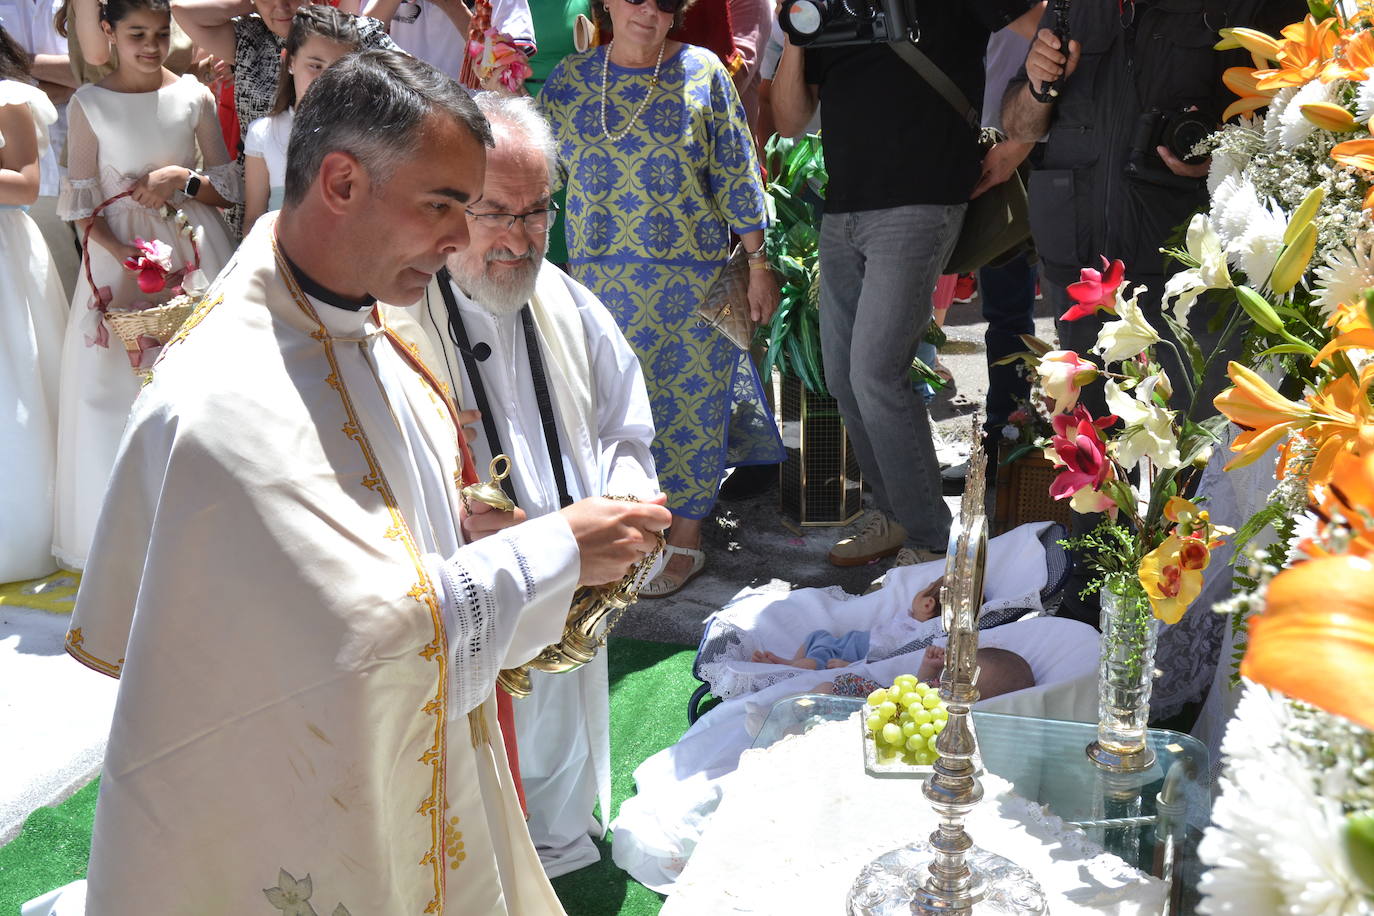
{"type": "Point", "coordinates": [436, 651]}
{"type": "Point", "coordinates": [73, 645]}
{"type": "Point", "coordinates": [196, 317]}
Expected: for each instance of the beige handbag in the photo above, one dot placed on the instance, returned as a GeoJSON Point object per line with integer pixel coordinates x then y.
{"type": "Point", "coordinates": [726, 306]}
{"type": "Point", "coordinates": [585, 33]}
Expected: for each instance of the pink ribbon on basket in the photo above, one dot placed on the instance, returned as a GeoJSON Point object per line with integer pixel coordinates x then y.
{"type": "Point", "coordinates": [140, 359]}
{"type": "Point", "coordinates": [99, 304]}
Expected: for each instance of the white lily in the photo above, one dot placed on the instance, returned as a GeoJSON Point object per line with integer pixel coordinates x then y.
{"type": "Point", "coordinates": [1204, 246]}
{"type": "Point", "coordinates": [1128, 336]}
{"type": "Point", "coordinates": [1149, 431]}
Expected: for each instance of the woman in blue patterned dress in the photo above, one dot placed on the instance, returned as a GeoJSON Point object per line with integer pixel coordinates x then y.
{"type": "Point", "coordinates": [660, 168]}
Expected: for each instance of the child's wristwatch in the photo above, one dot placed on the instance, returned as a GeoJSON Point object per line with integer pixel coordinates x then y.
{"type": "Point", "coordinates": [192, 185]}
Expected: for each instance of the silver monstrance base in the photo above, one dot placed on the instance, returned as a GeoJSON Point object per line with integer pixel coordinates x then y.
{"type": "Point", "coordinates": [894, 884]}
{"type": "Point", "coordinates": [948, 874]}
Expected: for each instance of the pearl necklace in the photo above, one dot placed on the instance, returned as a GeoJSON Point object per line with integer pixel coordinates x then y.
{"type": "Point", "coordinates": [653, 83]}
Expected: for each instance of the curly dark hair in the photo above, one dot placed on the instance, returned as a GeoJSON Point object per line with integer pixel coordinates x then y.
{"type": "Point", "coordinates": [14, 60]}
{"type": "Point", "coordinates": [603, 16]}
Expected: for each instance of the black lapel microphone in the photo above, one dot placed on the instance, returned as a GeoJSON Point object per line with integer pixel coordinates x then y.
{"type": "Point", "coordinates": [480, 351]}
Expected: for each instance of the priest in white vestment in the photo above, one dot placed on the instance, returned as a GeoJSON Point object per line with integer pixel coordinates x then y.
{"type": "Point", "coordinates": [305, 624]}
{"type": "Point", "coordinates": [477, 324]}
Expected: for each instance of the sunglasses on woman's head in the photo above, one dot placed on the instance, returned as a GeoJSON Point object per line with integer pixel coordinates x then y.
{"type": "Point", "coordinates": [664, 6]}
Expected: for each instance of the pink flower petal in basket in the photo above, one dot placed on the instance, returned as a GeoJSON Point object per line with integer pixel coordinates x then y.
{"type": "Point", "coordinates": [152, 280]}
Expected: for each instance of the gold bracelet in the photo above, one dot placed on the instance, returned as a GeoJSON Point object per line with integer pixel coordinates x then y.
{"type": "Point", "coordinates": [760, 264]}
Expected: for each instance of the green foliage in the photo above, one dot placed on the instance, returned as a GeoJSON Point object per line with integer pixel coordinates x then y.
{"type": "Point", "coordinates": [796, 190]}
{"type": "Point", "coordinates": [1112, 552]}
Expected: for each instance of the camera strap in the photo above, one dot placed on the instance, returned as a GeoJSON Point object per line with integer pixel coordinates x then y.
{"type": "Point", "coordinates": [932, 74]}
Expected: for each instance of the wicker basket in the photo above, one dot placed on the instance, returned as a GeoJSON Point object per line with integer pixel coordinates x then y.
{"type": "Point", "coordinates": [160, 323]}
{"type": "Point", "coordinates": [135, 327]}
{"type": "Point", "coordinates": [1023, 494]}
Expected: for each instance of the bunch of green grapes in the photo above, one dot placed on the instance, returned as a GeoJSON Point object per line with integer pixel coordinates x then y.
{"type": "Point", "coordinates": [904, 720]}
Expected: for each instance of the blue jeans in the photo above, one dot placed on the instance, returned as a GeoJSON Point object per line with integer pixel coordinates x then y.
{"type": "Point", "coordinates": [1008, 296]}
{"type": "Point", "coordinates": [878, 269]}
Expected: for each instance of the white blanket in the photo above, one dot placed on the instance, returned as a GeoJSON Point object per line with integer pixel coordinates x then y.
{"type": "Point", "coordinates": [680, 787]}
{"type": "Point", "coordinates": [757, 621]}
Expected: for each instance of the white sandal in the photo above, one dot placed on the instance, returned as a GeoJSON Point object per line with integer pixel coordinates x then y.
{"type": "Point", "coordinates": [664, 584]}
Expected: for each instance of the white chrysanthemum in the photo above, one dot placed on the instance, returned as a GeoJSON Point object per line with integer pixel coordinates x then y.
{"type": "Point", "coordinates": [1227, 161]}
{"type": "Point", "coordinates": [1364, 97]}
{"type": "Point", "coordinates": [1273, 121]}
{"type": "Point", "coordinates": [1274, 845]}
{"type": "Point", "coordinates": [1345, 276]}
{"type": "Point", "coordinates": [1257, 248]}
{"type": "Point", "coordinates": [1293, 127]}
{"type": "Point", "coordinates": [1233, 203]}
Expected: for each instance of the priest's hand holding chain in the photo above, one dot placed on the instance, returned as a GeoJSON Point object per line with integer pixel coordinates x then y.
{"type": "Point", "coordinates": [613, 535]}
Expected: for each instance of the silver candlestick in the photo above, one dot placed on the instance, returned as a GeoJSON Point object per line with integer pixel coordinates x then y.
{"type": "Point", "coordinates": [947, 873]}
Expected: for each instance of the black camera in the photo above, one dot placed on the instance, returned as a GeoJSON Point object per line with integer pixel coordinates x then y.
{"type": "Point", "coordinates": [826, 23]}
{"type": "Point", "coordinates": [1176, 130]}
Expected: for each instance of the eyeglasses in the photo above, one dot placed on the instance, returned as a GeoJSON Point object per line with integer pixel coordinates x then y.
{"type": "Point", "coordinates": [664, 6]}
{"type": "Point", "coordinates": [536, 220]}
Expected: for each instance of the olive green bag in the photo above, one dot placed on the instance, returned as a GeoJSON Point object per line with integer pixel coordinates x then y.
{"type": "Point", "coordinates": [997, 222]}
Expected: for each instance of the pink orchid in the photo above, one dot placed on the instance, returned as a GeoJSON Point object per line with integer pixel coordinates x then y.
{"type": "Point", "coordinates": [1063, 373]}
{"type": "Point", "coordinates": [152, 264]}
{"type": "Point", "coordinates": [1095, 290]}
{"type": "Point", "coordinates": [1079, 448]}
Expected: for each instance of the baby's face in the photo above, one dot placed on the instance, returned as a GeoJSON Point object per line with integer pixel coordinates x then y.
{"type": "Point", "coordinates": [926, 604]}
{"type": "Point", "coordinates": [924, 607]}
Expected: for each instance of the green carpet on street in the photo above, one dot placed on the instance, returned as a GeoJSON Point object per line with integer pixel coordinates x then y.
{"type": "Point", "coordinates": [650, 685]}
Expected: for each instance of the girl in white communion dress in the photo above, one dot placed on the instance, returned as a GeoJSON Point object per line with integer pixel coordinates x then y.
{"type": "Point", "coordinates": [137, 130]}
{"type": "Point", "coordinates": [33, 310]}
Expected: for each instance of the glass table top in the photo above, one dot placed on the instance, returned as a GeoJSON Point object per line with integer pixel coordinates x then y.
{"type": "Point", "coordinates": [1142, 817]}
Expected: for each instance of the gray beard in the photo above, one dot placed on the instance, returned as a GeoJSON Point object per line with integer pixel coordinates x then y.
{"type": "Point", "coordinates": [500, 297]}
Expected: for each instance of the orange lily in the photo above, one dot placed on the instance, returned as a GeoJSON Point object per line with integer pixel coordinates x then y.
{"type": "Point", "coordinates": [1330, 116]}
{"type": "Point", "coordinates": [1307, 48]}
{"type": "Point", "coordinates": [1349, 494]}
{"type": "Point", "coordinates": [1344, 423]}
{"type": "Point", "coordinates": [1356, 56]}
{"type": "Point", "coordinates": [1242, 81]}
{"type": "Point", "coordinates": [1265, 415]}
{"type": "Point", "coordinates": [1359, 338]}
{"type": "Point", "coordinates": [1349, 316]}
{"type": "Point", "coordinates": [1256, 42]}
{"type": "Point", "coordinates": [1358, 154]}
{"type": "Point", "coordinates": [1315, 639]}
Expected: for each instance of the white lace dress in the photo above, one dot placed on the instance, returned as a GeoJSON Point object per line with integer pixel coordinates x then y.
{"type": "Point", "coordinates": [33, 309]}
{"type": "Point", "coordinates": [114, 138]}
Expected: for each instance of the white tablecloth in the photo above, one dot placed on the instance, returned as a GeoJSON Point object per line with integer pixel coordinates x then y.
{"type": "Point", "coordinates": [801, 818]}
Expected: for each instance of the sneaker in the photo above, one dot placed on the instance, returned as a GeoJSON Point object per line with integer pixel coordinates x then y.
{"type": "Point", "coordinates": [907, 556]}
{"type": "Point", "coordinates": [911, 556]}
{"type": "Point", "coordinates": [965, 288]}
{"type": "Point", "coordinates": [878, 536]}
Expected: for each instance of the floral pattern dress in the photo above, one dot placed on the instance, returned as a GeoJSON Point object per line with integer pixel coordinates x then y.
{"type": "Point", "coordinates": [649, 218]}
